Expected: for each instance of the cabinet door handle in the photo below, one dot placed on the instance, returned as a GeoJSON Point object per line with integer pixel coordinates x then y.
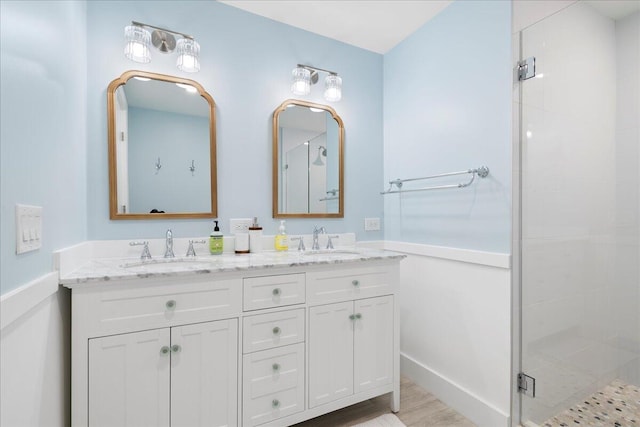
{"type": "Point", "coordinates": [275, 403]}
{"type": "Point", "coordinates": [276, 367]}
{"type": "Point", "coordinates": [176, 348]}
{"type": "Point", "coordinates": [171, 304]}
{"type": "Point", "coordinates": [276, 292]}
{"type": "Point", "coordinates": [352, 316]}
{"type": "Point", "coordinates": [165, 350]}
{"type": "Point", "coordinates": [355, 282]}
{"type": "Point", "coordinates": [276, 331]}
{"type": "Point", "coordinates": [358, 316]}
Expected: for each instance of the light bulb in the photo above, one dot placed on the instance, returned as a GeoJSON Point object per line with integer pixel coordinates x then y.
{"type": "Point", "coordinates": [137, 44]}
{"type": "Point", "coordinates": [333, 88]}
{"type": "Point", "coordinates": [301, 84]}
{"type": "Point", "coordinates": [188, 52]}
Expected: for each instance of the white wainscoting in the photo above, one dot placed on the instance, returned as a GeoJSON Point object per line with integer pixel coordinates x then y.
{"type": "Point", "coordinates": [455, 327]}
{"type": "Point", "coordinates": [34, 355]}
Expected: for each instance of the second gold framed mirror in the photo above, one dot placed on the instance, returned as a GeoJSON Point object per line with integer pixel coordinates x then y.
{"type": "Point", "coordinates": [308, 161]}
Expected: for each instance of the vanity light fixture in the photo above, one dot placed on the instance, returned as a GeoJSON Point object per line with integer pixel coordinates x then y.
{"type": "Point", "coordinates": [138, 40]}
{"type": "Point", "coordinates": [305, 75]}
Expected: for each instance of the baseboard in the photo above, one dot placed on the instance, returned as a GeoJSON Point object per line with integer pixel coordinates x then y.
{"type": "Point", "coordinates": [476, 410]}
{"type": "Point", "coordinates": [20, 301]}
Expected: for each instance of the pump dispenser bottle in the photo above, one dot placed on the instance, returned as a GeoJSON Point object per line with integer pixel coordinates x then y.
{"type": "Point", "coordinates": [282, 241]}
{"type": "Point", "coordinates": [216, 241]}
{"type": "Point", "coordinates": [255, 237]}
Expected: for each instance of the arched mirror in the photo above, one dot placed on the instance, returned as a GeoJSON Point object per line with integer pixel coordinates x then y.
{"type": "Point", "coordinates": [308, 161]}
{"type": "Point", "coordinates": [162, 148]}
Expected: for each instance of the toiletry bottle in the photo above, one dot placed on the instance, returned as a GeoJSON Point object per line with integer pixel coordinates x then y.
{"type": "Point", "coordinates": [282, 241]}
{"type": "Point", "coordinates": [215, 240]}
{"type": "Point", "coordinates": [255, 237]}
{"type": "Point", "coordinates": [242, 242]}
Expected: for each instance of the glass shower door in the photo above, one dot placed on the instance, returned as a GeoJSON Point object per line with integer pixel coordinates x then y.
{"type": "Point", "coordinates": [580, 163]}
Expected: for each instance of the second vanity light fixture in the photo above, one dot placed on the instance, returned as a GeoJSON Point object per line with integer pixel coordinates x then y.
{"type": "Point", "coordinates": [305, 75]}
{"type": "Point", "coordinates": [138, 40]}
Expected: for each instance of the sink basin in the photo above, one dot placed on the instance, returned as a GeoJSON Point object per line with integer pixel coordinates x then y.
{"type": "Point", "coordinates": [331, 252]}
{"type": "Point", "coordinates": [166, 264]}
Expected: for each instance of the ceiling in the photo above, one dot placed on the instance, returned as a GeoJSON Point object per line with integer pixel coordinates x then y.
{"type": "Point", "coordinates": [375, 25]}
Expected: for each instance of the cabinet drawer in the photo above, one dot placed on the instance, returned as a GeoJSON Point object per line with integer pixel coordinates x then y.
{"type": "Point", "coordinates": [265, 331]}
{"type": "Point", "coordinates": [342, 285]}
{"type": "Point", "coordinates": [273, 291]}
{"type": "Point", "coordinates": [273, 384]}
{"type": "Point", "coordinates": [159, 306]}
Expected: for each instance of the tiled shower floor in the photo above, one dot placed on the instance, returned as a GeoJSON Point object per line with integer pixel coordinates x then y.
{"type": "Point", "coordinates": [616, 405]}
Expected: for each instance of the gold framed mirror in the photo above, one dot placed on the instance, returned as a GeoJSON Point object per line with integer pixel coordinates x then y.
{"type": "Point", "coordinates": [308, 161]}
{"type": "Point", "coordinates": [162, 148]}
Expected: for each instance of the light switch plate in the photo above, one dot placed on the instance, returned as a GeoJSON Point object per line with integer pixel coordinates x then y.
{"type": "Point", "coordinates": [28, 228]}
{"type": "Point", "coordinates": [372, 224]}
{"type": "Point", "coordinates": [239, 224]}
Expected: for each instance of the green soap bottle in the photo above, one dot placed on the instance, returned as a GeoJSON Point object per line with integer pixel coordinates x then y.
{"type": "Point", "coordinates": [216, 241]}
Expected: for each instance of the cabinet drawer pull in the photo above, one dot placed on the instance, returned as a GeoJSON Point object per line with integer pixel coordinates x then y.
{"type": "Point", "coordinates": [276, 331]}
{"type": "Point", "coordinates": [176, 348]}
{"type": "Point", "coordinates": [276, 292]}
{"type": "Point", "coordinates": [165, 350]}
{"type": "Point", "coordinates": [171, 304]}
{"type": "Point", "coordinates": [275, 403]}
{"type": "Point", "coordinates": [276, 367]}
{"type": "Point", "coordinates": [355, 282]}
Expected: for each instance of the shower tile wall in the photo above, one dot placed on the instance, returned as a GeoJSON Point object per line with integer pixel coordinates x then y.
{"type": "Point", "coordinates": [580, 208]}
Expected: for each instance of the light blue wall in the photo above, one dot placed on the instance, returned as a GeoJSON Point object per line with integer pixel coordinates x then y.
{"type": "Point", "coordinates": [246, 66]}
{"type": "Point", "coordinates": [43, 132]}
{"type": "Point", "coordinates": [447, 92]}
{"type": "Point", "coordinates": [154, 134]}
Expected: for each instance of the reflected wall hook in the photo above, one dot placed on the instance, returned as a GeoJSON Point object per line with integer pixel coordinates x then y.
{"type": "Point", "coordinates": [158, 166]}
{"type": "Point", "coordinates": [192, 168]}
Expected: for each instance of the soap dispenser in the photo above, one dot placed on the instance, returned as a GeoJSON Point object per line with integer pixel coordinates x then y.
{"type": "Point", "coordinates": [282, 241]}
{"type": "Point", "coordinates": [255, 237]}
{"type": "Point", "coordinates": [216, 241]}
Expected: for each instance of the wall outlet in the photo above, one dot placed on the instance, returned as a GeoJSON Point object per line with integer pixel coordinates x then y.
{"type": "Point", "coordinates": [372, 224]}
{"type": "Point", "coordinates": [239, 225]}
{"type": "Point", "coordinates": [28, 228]}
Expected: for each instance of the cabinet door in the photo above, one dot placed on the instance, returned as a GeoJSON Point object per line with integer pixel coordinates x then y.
{"type": "Point", "coordinates": [129, 379]}
{"type": "Point", "coordinates": [204, 374]}
{"type": "Point", "coordinates": [373, 343]}
{"type": "Point", "coordinates": [330, 352]}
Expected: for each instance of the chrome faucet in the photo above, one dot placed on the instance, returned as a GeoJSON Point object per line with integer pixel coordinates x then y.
{"type": "Point", "coordinates": [168, 249]}
{"type": "Point", "coordinates": [315, 246]}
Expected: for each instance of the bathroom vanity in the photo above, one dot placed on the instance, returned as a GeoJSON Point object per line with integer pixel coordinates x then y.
{"type": "Point", "coordinates": [268, 339]}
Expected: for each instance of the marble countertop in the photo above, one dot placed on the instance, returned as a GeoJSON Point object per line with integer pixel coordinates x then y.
{"type": "Point", "coordinates": [105, 269]}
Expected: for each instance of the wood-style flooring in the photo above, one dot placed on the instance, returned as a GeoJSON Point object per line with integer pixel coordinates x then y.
{"type": "Point", "coordinates": [418, 408]}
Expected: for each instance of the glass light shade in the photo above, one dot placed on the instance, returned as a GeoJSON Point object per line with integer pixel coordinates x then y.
{"type": "Point", "coordinates": [301, 84]}
{"type": "Point", "coordinates": [188, 55]}
{"type": "Point", "coordinates": [333, 88]}
{"type": "Point", "coordinates": [137, 41]}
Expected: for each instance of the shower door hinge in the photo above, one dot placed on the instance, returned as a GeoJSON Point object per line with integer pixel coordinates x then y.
{"type": "Point", "coordinates": [526, 385]}
{"type": "Point", "coordinates": [527, 68]}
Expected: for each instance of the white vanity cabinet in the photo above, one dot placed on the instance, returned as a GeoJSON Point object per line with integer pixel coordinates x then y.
{"type": "Point", "coordinates": [156, 352]}
{"type": "Point", "coordinates": [264, 346]}
{"type": "Point", "coordinates": [180, 376]}
{"type": "Point", "coordinates": [353, 348]}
